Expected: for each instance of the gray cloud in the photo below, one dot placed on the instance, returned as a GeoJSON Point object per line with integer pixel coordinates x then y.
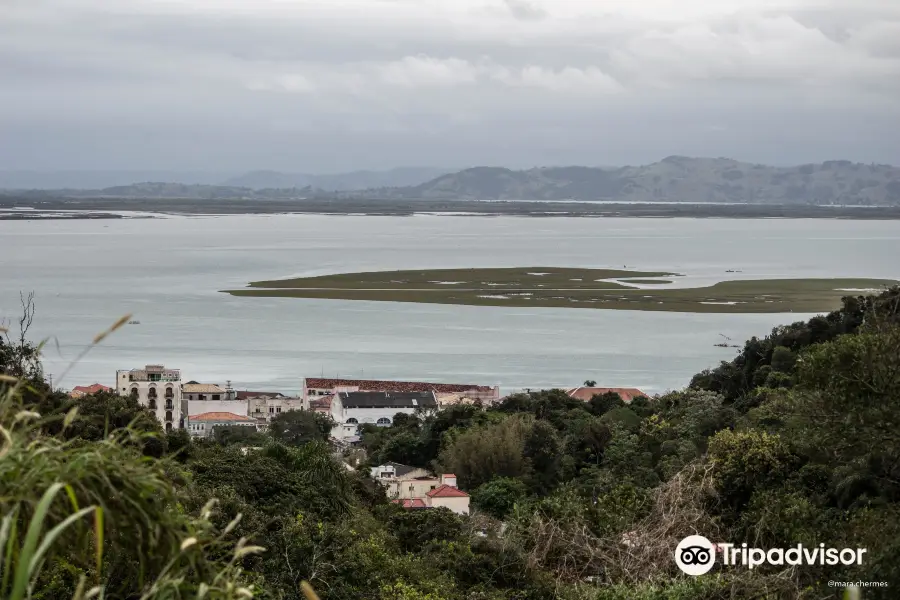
{"type": "Point", "coordinates": [325, 85]}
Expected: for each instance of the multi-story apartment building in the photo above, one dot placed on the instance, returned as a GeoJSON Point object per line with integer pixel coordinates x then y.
{"type": "Point", "coordinates": [157, 388]}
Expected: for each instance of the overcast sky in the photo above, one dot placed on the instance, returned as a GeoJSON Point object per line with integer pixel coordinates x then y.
{"type": "Point", "coordinates": [334, 85]}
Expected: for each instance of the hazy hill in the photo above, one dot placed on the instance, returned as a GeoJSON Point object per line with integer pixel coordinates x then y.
{"type": "Point", "coordinates": [676, 179]}
{"type": "Point", "coordinates": [99, 180]}
{"type": "Point", "coordinates": [356, 180]}
{"type": "Point", "coordinates": [165, 190]}
{"type": "Point", "coordinates": [93, 180]}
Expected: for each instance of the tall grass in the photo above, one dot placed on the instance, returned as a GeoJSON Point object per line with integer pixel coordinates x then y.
{"type": "Point", "coordinates": [84, 520]}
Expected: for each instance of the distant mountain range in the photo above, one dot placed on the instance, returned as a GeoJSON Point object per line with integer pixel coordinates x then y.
{"type": "Point", "coordinates": [356, 180]}
{"type": "Point", "coordinates": [677, 179]}
{"type": "Point", "coordinates": [674, 179]}
{"type": "Point", "coordinates": [258, 180]}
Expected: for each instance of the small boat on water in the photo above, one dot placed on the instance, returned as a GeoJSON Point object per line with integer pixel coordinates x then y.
{"type": "Point", "coordinates": [134, 322]}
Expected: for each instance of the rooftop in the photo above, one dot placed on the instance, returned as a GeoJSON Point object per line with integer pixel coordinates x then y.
{"type": "Point", "coordinates": [586, 393]}
{"type": "Point", "coordinates": [202, 388]}
{"type": "Point", "coordinates": [244, 395]}
{"type": "Point", "coordinates": [375, 385]}
{"type": "Point", "coordinates": [387, 399]}
{"type": "Point", "coordinates": [89, 389]}
{"type": "Point", "coordinates": [220, 416]}
{"type": "Point", "coordinates": [399, 469]}
{"type": "Point", "coordinates": [447, 491]}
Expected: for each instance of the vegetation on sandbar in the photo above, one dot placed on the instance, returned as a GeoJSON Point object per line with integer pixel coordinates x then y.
{"type": "Point", "coordinates": [570, 288]}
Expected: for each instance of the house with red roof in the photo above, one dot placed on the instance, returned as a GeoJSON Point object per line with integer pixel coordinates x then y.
{"type": "Point", "coordinates": [85, 390]}
{"type": "Point", "coordinates": [430, 492]}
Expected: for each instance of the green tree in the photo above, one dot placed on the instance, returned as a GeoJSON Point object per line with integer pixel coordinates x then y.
{"type": "Point", "coordinates": [479, 454]}
{"type": "Point", "coordinates": [499, 495]}
{"type": "Point", "coordinates": [227, 435]}
{"type": "Point", "coordinates": [298, 427]}
{"type": "Point", "coordinates": [417, 529]}
{"type": "Point", "coordinates": [543, 449]}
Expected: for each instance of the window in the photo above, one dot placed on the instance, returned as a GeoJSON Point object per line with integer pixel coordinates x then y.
{"type": "Point", "coordinates": [434, 486]}
{"type": "Point", "coordinates": [152, 404]}
{"type": "Point", "coordinates": [168, 427]}
{"type": "Point", "coordinates": [278, 409]}
{"type": "Point", "coordinates": [352, 421]}
{"type": "Point", "coordinates": [216, 396]}
{"type": "Point", "coordinates": [201, 397]}
{"type": "Point", "coordinates": [271, 409]}
{"type": "Point", "coordinates": [168, 415]}
{"type": "Point", "coordinates": [383, 421]}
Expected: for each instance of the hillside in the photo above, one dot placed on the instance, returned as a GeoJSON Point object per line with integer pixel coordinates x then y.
{"type": "Point", "coordinates": [355, 180]}
{"type": "Point", "coordinates": [676, 179]}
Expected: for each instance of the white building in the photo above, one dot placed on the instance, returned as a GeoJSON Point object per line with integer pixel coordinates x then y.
{"type": "Point", "coordinates": [209, 397]}
{"type": "Point", "coordinates": [157, 388]}
{"type": "Point", "coordinates": [430, 492]}
{"type": "Point", "coordinates": [266, 406]}
{"type": "Point", "coordinates": [392, 471]}
{"type": "Point", "coordinates": [203, 425]}
{"type": "Point", "coordinates": [352, 409]}
{"type": "Point", "coordinates": [450, 393]}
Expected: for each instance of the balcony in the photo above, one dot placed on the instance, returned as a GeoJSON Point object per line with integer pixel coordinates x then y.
{"type": "Point", "coordinates": [169, 405]}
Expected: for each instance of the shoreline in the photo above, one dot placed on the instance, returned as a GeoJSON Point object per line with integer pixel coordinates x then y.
{"type": "Point", "coordinates": [22, 208]}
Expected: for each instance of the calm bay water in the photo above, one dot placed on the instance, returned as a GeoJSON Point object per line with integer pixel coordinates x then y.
{"type": "Point", "coordinates": [168, 272]}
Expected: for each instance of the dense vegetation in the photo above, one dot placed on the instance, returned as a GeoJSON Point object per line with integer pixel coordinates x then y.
{"type": "Point", "coordinates": [794, 441]}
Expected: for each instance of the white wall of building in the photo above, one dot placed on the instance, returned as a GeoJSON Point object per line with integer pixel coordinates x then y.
{"type": "Point", "coordinates": [198, 407]}
{"type": "Point", "coordinates": [459, 505]}
{"type": "Point", "coordinates": [349, 419]}
{"type": "Point", "coordinates": [267, 407]}
{"type": "Point", "coordinates": [204, 428]}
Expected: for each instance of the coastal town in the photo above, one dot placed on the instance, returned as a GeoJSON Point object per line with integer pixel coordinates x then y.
{"type": "Point", "coordinates": [199, 408]}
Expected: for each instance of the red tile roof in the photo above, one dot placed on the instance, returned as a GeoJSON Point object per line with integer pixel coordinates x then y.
{"type": "Point", "coordinates": [586, 393]}
{"type": "Point", "coordinates": [219, 416]}
{"type": "Point", "coordinates": [90, 389]}
{"type": "Point", "coordinates": [447, 491]}
{"type": "Point", "coordinates": [413, 503]}
{"type": "Point", "coordinates": [374, 385]}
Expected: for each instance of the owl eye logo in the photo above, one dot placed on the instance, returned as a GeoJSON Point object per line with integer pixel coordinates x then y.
{"type": "Point", "coordinates": [695, 555]}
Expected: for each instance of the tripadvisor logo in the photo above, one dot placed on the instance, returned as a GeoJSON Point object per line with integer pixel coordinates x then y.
{"type": "Point", "coordinates": [696, 555]}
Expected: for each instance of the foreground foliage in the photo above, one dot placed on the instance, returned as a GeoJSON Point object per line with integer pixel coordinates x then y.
{"type": "Point", "coordinates": [795, 441]}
